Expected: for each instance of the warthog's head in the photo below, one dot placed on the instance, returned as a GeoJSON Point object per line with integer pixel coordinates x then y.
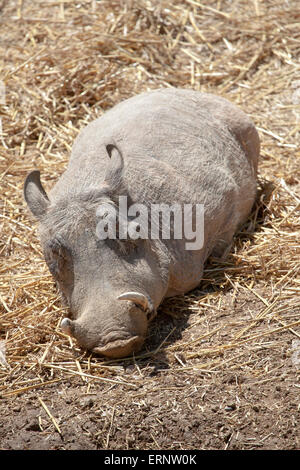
{"type": "Point", "coordinates": [112, 286]}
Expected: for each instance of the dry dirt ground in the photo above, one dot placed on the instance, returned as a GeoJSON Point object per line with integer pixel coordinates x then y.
{"type": "Point", "coordinates": [220, 368]}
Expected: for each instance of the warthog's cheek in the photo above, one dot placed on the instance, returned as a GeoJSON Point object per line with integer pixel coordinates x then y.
{"type": "Point", "coordinates": [120, 348]}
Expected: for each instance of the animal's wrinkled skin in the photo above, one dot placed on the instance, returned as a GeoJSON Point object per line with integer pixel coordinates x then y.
{"type": "Point", "coordinates": [166, 146]}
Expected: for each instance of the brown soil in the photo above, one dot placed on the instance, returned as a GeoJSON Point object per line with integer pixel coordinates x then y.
{"type": "Point", "coordinates": [220, 368]}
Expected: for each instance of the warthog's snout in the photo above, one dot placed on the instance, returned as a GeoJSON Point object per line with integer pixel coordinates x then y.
{"type": "Point", "coordinates": [120, 338]}
{"type": "Point", "coordinates": [121, 348]}
{"type": "Point", "coordinates": [115, 348]}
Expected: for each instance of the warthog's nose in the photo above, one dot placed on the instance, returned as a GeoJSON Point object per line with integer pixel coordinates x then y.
{"type": "Point", "coordinates": [121, 347]}
{"type": "Point", "coordinates": [115, 348]}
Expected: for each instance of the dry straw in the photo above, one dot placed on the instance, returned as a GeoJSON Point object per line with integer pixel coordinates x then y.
{"type": "Point", "coordinates": [63, 63]}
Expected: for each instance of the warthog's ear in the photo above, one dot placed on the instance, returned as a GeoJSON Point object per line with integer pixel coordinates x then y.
{"type": "Point", "coordinates": [114, 170]}
{"type": "Point", "coordinates": [35, 195]}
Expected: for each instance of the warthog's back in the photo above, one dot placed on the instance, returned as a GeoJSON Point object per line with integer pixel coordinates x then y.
{"type": "Point", "coordinates": [195, 133]}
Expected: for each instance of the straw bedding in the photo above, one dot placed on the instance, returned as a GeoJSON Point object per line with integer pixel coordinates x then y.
{"type": "Point", "coordinates": [221, 365]}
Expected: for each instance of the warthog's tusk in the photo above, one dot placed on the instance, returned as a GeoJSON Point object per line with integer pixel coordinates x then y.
{"type": "Point", "coordinates": [137, 298]}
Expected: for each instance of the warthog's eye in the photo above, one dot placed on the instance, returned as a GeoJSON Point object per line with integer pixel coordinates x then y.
{"type": "Point", "coordinates": [59, 260]}
{"type": "Point", "coordinates": [57, 256]}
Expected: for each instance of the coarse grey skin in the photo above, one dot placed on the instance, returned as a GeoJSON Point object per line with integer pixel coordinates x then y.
{"type": "Point", "coordinates": [165, 146]}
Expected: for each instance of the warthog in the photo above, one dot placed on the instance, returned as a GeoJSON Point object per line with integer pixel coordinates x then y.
{"type": "Point", "coordinates": [170, 147]}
